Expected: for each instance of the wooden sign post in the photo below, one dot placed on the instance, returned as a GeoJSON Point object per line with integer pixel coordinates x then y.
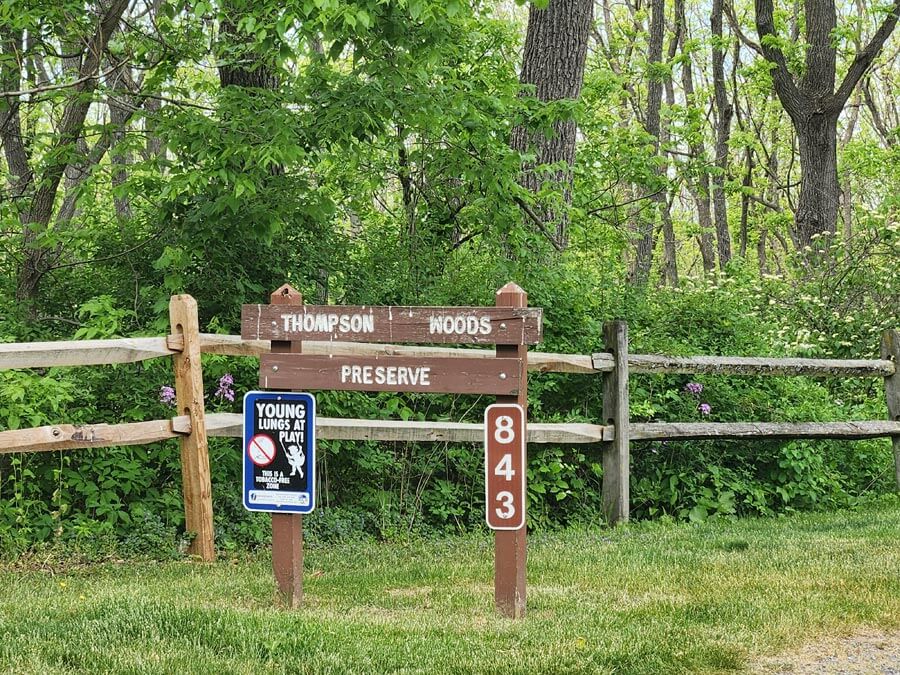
{"type": "Point", "coordinates": [510, 325]}
{"type": "Point", "coordinates": [287, 528]}
{"type": "Point", "coordinates": [509, 545]}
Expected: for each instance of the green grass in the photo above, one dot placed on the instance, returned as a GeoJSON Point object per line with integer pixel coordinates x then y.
{"type": "Point", "coordinates": [648, 598]}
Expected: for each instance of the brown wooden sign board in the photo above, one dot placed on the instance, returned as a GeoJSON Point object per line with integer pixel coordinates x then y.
{"type": "Point", "coordinates": [457, 325]}
{"type": "Point", "coordinates": [391, 373]}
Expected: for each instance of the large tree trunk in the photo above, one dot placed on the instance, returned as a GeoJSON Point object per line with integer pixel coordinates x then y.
{"type": "Point", "coordinates": [817, 207]}
{"type": "Point", "coordinates": [239, 64]}
{"type": "Point", "coordinates": [553, 63]}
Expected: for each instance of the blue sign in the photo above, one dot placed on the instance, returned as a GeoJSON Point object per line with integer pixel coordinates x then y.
{"type": "Point", "coordinates": [279, 452]}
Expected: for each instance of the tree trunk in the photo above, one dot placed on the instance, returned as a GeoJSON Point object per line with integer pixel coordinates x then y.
{"type": "Point", "coordinates": [154, 145]}
{"type": "Point", "coordinates": [761, 251]}
{"type": "Point", "coordinates": [43, 188]}
{"type": "Point", "coordinates": [120, 103]}
{"type": "Point", "coordinates": [553, 63]}
{"type": "Point", "coordinates": [239, 64]}
{"type": "Point", "coordinates": [817, 207]}
{"type": "Point", "coordinates": [814, 105]}
{"type": "Point", "coordinates": [646, 239]}
{"type": "Point", "coordinates": [670, 244]}
{"type": "Point", "coordinates": [745, 199]}
{"type": "Point", "coordinates": [724, 112]}
{"type": "Point", "coordinates": [846, 189]}
{"type": "Point", "coordinates": [700, 191]}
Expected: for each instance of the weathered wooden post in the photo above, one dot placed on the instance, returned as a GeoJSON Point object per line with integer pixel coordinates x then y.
{"type": "Point", "coordinates": [890, 350]}
{"type": "Point", "coordinates": [287, 528]}
{"type": "Point", "coordinates": [510, 545]}
{"type": "Point", "coordinates": [195, 477]}
{"type": "Point", "coordinates": [616, 453]}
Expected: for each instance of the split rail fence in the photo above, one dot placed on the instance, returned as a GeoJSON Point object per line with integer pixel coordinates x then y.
{"type": "Point", "coordinates": [193, 425]}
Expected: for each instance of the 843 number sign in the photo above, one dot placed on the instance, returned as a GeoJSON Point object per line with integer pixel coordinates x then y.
{"type": "Point", "coordinates": [504, 466]}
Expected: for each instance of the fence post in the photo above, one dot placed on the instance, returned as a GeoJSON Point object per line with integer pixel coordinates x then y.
{"type": "Point", "coordinates": [890, 349]}
{"type": "Point", "coordinates": [287, 528]}
{"type": "Point", "coordinates": [510, 547]}
{"type": "Point", "coordinates": [616, 453]}
{"type": "Point", "coordinates": [195, 477]}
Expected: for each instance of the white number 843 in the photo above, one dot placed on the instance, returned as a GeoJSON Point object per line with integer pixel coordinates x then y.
{"type": "Point", "coordinates": [504, 504]}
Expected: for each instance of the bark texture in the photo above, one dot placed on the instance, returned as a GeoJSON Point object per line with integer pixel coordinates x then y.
{"type": "Point", "coordinates": [553, 63]}
{"type": "Point", "coordinates": [724, 112]}
{"type": "Point", "coordinates": [240, 64]}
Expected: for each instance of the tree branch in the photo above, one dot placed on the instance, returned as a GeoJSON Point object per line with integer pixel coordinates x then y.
{"type": "Point", "coordinates": [10, 123]}
{"type": "Point", "coordinates": [106, 258]}
{"type": "Point", "coordinates": [785, 87]}
{"type": "Point", "coordinates": [57, 87]}
{"type": "Point", "coordinates": [765, 202]}
{"type": "Point", "coordinates": [864, 59]}
{"type": "Point", "coordinates": [540, 224]}
{"type": "Point", "coordinates": [736, 27]}
{"type": "Point", "coordinates": [877, 121]}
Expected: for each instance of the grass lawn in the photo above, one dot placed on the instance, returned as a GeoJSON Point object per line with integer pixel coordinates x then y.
{"type": "Point", "coordinates": [647, 598]}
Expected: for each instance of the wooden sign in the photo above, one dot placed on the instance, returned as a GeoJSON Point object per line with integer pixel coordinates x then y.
{"type": "Point", "coordinates": [391, 373]}
{"type": "Point", "coordinates": [458, 325]}
{"type": "Point", "coordinates": [504, 466]}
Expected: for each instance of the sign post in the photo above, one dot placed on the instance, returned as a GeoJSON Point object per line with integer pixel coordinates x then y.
{"type": "Point", "coordinates": [287, 528]}
{"type": "Point", "coordinates": [510, 545]}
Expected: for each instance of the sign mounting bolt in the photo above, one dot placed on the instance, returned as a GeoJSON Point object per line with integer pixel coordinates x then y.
{"type": "Point", "coordinates": [274, 369]}
{"type": "Point", "coordinates": [503, 326]}
{"type": "Point", "coordinates": [502, 376]}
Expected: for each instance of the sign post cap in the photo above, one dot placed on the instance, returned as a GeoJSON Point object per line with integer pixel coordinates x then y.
{"type": "Point", "coordinates": [512, 295]}
{"type": "Point", "coordinates": [511, 287]}
{"type": "Point", "coordinates": [286, 294]}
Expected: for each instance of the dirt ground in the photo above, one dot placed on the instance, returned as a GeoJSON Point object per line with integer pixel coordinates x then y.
{"type": "Point", "coordinates": [866, 651]}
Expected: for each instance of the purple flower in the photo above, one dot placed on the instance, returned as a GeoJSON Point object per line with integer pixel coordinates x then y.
{"type": "Point", "coordinates": [225, 387]}
{"type": "Point", "coordinates": [694, 388]}
{"type": "Point", "coordinates": [167, 395]}
{"type": "Point", "coordinates": [704, 408]}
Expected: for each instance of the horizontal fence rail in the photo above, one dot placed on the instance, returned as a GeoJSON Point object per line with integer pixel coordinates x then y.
{"type": "Point", "coordinates": [653, 431]}
{"type": "Point", "coordinates": [81, 352]}
{"type": "Point", "coordinates": [747, 365]}
{"type": "Point", "coordinates": [73, 437]}
{"type": "Point", "coordinates": [70, 437]}
{"type": "Point", "coordinates": [615, 364]}
{"type": "Point", "coordinates": [132, 350]}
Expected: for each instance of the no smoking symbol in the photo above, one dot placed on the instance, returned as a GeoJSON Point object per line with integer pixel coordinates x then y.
{"type": "Point", "coordinates": [261, 450]}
